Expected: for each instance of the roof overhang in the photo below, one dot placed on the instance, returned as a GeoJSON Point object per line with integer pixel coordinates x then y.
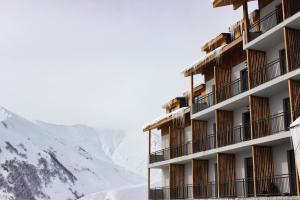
{"type": "Point", "coordinates": [169, 117]}
{"type": "Point", "coordinates": [199, 67]}
{"type": "Point", "coordinates": [218, 41]}
{"type": "Point", "coordinates": [235, 3]}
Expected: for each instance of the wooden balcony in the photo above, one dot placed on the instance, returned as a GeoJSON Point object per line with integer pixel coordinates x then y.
{"type": "Point", "coordinates": [204, 102]}
{"type": "Point", "coordinates": [231, 89]}
{"type": "Point", "coordinates": [260, 26]}
{"type": "Point", "coordinates": [164, 193]}
{"type": "Point", "coordinates": [260, 71]}
{"type": "Point", "coordinates": [170, 153]}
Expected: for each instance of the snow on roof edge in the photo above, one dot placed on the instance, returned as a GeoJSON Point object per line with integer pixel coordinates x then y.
{"type": "Point", "coordinates": [158, 119]}
{"type": "Point", "coordinates": [203, 58]}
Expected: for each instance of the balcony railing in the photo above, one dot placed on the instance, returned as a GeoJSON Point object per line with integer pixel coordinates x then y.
{"type": "Point", "coordinates": [204, 145]}
{"type": "Point", "coordinates": [164, 193]}
{"type": "Point", "coordinates": [294, 58]}
{"type": "Point", "coordinates": [271, 125]}
{"type": "Point", "coordinates": [292, 7]}
{"type": "Point", "coordinates": [272, 70]}
{"type": "Point", "coordinates": [279, 185]}
{"type": "Point", "coordinates": [242, 133]}
{"type": "Point", "coordinates": [244, 188]}
{"type": "Point", "coordinates": [160, 155]}
{"type": "Point", "coordinates": [204, 102]}
{"type": "Point", "coordinates": [205, 191]}
{"type": "Point", "coordinates": [232, 89]}
{"type": "Point", "coordinates": [185, 192]}
{"type": "Point", "coordinates": [181, 150]}
{"type": "Point", "coordinates": [169, 153]}
{"type": "Point", "coordinates": [159, 193]}
{"type": "Point", "coordinates": [266, 23]}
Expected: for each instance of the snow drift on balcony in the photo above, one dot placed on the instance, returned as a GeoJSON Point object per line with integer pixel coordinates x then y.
{"type": "Point", "coordinates": [177, 114]}
{"type": "Point", "coordinates": [295, 132]}
{"type": "Point", "coordinates": [216, 52]}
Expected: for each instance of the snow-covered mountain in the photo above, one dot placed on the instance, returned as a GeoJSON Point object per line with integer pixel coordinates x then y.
{"type": "Point", "coordinates": [42, 161]}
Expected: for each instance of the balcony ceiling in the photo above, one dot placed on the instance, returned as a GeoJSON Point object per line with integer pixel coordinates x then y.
{"type": "Point", "coordinates": [235, 3]}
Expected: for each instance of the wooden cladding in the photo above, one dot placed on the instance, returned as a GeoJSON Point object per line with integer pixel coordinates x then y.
{"type": "Point", "coordinates": [200, 136]}
{"type": "Point", "coordinates": [200, 178]}
{"type": "Point", "coordinates": [226, 178]}
{"type": "Point", "coordinates": [257, 62]}
{"type": "Point", "coordinates": [176, 141]}
{"type": "Point", "coordinates": [291, 7]}
{"type": "Point", "coordinates": [224, 126]}
{"type": "Point", "coordinates": [176, 181]}
{"type": "Point", "coordinates": [292, 46]}
{"type": "Point", "coordinates": [165, 130]}
{"type": "Point", "coordinates": [223, 80]}
{"type": "Point", "coordinates": [259, 116]}
{"type": "Point", "coordinates": [263, 169]}
{"type": "Point", "coordinates": [263, 3]}
{"type": "Point", "coordinates": [208, 74]}
{"type": "Point", "coordinates": [294, 92]}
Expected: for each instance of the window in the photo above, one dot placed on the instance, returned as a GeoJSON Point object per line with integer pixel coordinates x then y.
{"type": "Point", "coordinates": [197, 99]}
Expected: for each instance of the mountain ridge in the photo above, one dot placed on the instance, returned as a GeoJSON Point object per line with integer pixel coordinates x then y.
{"type": "Point", "coordinates": [44, 161]}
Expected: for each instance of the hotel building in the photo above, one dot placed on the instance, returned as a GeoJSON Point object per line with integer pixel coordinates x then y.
{"type": "Point", "coordinates": [229, 136]}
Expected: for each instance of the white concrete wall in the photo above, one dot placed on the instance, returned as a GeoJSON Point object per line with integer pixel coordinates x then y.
{"type": "Point", "coordinates": [188, 134]}
{"type": "Point", "coordinates": [276, 102]}
{"type": "Point", "coordinates": [165, 177]}
{"type": "Point", "coordinates": [165, 141]}
{"type": "Point", "coordinates": [210, 125]}
{"type": "Point", "coordinates": [268, 9]}
{"type": "Point", "coordinates": [240, 164]}
{"type": "Point", "coordinates": [237, 116]}
{"type": "Point", "coordinates": [188, 173]}
{"type": "Point", "coordinates": [209, 85]}
{"type": "Point", "coordinates": [280, 158]}
{"type": "Point", "coordinates": [273, 53]}
{"type": "Point", "coordinates": [236, 70]}
{"type": "Point", "coordinates": [211, 170]}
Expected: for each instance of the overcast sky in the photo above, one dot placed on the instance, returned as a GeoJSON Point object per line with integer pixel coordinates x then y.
{"type": "Point", "coordinates": [105, 63]}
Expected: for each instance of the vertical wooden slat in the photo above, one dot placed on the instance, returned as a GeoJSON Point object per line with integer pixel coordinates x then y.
{"type": "Point", "coordinates": [226, 180]}
{"type": "Point", "coordinates": [284, 11]}
{"type": "Point", "coordinates": [291, 7]}
{"type": "Point", "coordinates": [224, 126]}
{"type": "Point", "coordinates": [292, 45]}
{"type": "Point", "coordinates": [260, 116]}
{"type": "Point", "coordinates": [257, 62]}
{"type": "Point", "coordinates": [176, 140]}
{"type": "Point", "coordinates": [223, 80]}
{"type": "Point", "coordinates": [177, 181]}
{"type": "Point", "coordinates": [199, 136]}
{"type": "Point", "coordinates": [246, 21]}
{"type": "Point", "coordinates": [287, 49]}
{"type": "Point", "coordinates": [200, 178]}
{"type": "Point", "coordinates": [264, 169]}
{"type": "Point", "coordinates": [294, 92]}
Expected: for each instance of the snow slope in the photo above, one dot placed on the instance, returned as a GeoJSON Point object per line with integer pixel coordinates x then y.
{"type": "Point", "coordinates": [137, 192]}
{"type": "Point", "coordinates": [41, 161]}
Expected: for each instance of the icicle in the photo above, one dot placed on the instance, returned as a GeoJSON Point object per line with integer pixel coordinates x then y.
{"type": "Point", "coordinates": [218, 56]}
{"type": "Point", "coordinates": [179, 118]}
